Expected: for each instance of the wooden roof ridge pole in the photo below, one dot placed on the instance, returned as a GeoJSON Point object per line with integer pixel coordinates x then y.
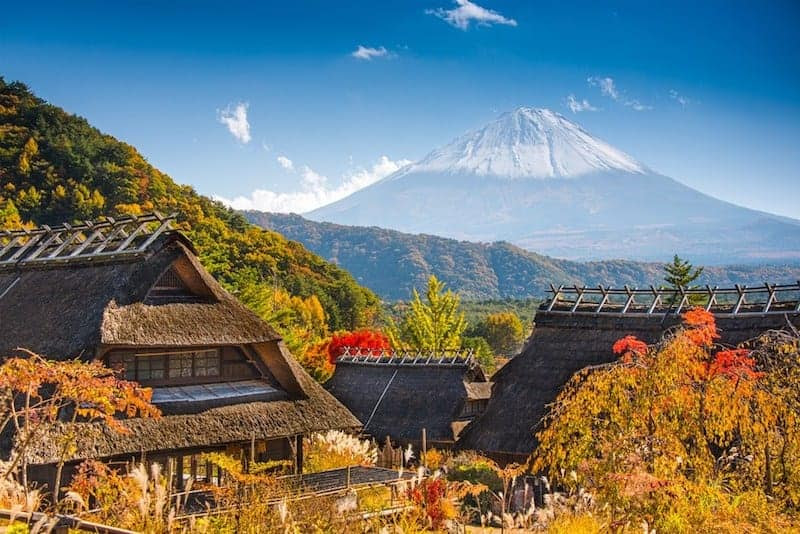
{"type": "Point", "coordinates": [631, 297]}
{"type": "Point", "coordinates": [712, 296]}
{"type": "Point", "coordinates": [604, 299]}
{"type": "Point", "coordinates": [684, 299]}
{"type": "Point", "coordinates": [556, 294]}
{"type": "Point", "coordinates": [741, 290]}
{"type": "Point", "coordinates": [578, 298]}
{"type": "Point", "coordinates": [166, 224]}
{"type": "Point", "coordinates": [35, 238]}
{"type": "Point", "coordinates": [74, 235]}
{"type": "Point", "coordinates": [55, 235]}
{"type": "Point", "coordinates": [770, 298]}
{"type": "Point", "coordinates": [116, 230]}
{"type": "Point", "coordinates": [12, 242]}
{"type": "Point", "coordinates": [656, 299]}
{"type": "Point", "coordinates": [98, 232]}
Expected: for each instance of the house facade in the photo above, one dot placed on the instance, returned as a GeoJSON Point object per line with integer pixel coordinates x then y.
{"type": "Point", "coordinates": [131, 293]}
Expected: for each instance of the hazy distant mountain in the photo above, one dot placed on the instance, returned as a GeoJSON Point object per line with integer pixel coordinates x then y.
{"type": "Point", "coordinates": [392, 263]}
{"type": "Point", "coordinates": [536, 179]}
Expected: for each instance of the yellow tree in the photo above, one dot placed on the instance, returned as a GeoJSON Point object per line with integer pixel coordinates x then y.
{"type": "Point", "coordinates": [434, 324]}
{"type": "Point", "coordinates": [671, 420]}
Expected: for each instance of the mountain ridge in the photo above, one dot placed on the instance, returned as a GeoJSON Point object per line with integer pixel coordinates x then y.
{"type": "Point", "coordinates": [392, 263]}
{"type": "Point", "coordinates": [537, 180]}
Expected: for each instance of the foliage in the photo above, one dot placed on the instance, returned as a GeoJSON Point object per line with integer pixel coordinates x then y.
{"type": "Point", "coordinates": [334, 449]}
{"type": "Point", "coordinates": [430, 496]}
{"type": "Point", "coordinates": [680, 273]}
{"type": "Point", "coordinates": [503, 331]}
{"type": "Point", "coordinates": [435, 324]}
{"type": "Point", "coordinates": [667, 427]}
{"type": "Point", "coordinates": [372, 340]}
{"type": "Point", "coordinates": [36, 393]}
{"type": "Point", "coordinates": [482, 352]}
{"type": "Point", "coordinates": [55, 167]}
{"type": "Point", "coordinates": [138, 500]}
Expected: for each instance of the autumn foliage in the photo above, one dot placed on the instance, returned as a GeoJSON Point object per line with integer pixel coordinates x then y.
{"type": "Point", "coordinates": [365, 339]}
{"type": "Point", "coordinates": [673, 430]}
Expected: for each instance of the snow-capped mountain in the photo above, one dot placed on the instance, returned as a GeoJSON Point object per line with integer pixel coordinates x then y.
{"type": "Point", "coordinates": [527, 143]}
{"type": "Point", "coordinates": [538, 180]}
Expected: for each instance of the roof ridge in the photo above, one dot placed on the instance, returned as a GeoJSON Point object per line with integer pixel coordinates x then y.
{"type": "Point", "coordinates": [103, 239]}
{"type": "Point", "coordinates": [407, 357]}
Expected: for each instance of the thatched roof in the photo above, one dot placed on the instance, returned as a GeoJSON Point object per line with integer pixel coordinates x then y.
{"type": "Point", "coordinates": [562, 344]}
{"type": "Point", "coordinates": [66, 310]}
{"type": "Point", "coordinates": [80, 306]}
{"type": "Point", "coordinates": [400, 399]}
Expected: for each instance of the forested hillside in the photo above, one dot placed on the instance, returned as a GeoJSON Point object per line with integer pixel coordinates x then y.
{"type": "Point", "coordinates": [392, 263]}
{"type": "Point", "coordinates": [55, 167]}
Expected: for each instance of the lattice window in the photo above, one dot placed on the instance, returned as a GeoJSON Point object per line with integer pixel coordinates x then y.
{"type": "Point", "coordinates": [170, 285]}
{"type": "Point", "coordinates": [167, 367]}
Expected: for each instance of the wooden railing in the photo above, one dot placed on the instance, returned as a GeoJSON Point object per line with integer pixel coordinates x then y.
{"type": "Point", "coordinates": [739, 300]}
{"type": "Point", "coordinates": [405, 357]}
{"type": "Point", "coordinates": [107, 238]}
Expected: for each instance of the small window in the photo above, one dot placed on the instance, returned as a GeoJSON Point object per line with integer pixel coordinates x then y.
{"type": "Point", "coordinates": [180, 365]}
{"type": "Point", "coordinates": [206, 363]}
{"type": "Point", "coordinates": [150, 367]}
{"type": "Point", "coordinates": [173, 366]}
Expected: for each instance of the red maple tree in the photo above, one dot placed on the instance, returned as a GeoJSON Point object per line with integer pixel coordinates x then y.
{"type": "Point", "coordinates": [364, 339]}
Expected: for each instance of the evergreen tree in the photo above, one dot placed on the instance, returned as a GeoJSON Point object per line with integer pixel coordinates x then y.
{"type": "Point", "coordinates": [681, 273]}
{"type": "Point", "coordinates": [435, 324]}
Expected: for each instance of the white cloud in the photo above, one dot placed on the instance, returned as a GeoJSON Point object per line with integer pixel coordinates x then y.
{"type": "Point", "coordinates": [637, 106]}
{"type": "Point", "coordinates": [680, 99]}
{"type": "Point", "coordinates": [467, 12]}
{"type": "Point", "coordinates": [286, 163]}
{"type": "Point", "coordinates": [608, 87]}
{"type": "Point", "coordinates": [236, 121]}
{"type": "Point", "coordinates": [368, 53]}
{"type": "Point", "coordinates": [576, 106]}
{"type": "Point", "coordinates": [314, 189]}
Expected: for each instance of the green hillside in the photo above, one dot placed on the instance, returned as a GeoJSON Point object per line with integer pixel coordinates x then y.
{"type": "Point", "coordinates": [55, 167]}
{"type": "Point", "coordinates": [393, 263]}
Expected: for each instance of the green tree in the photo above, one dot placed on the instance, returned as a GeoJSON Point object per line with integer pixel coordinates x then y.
{"type": "Point", "coordinates": [482, 352]}
{"type": "Point", "coordinates": [435, 324]}
{"type": "Point", "coordinates": [681, 273]}
{"type": "Point", "coordinates": [503, 331]}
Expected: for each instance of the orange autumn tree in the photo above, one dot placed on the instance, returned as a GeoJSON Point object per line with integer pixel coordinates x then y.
{"type": "Point", "coordinates": [36, 393]}
{"type": "Point", "coordinates": [665, 424]}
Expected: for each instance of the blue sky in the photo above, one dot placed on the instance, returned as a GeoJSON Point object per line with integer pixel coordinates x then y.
{"type": "Point", "coordinates": [237, 97]}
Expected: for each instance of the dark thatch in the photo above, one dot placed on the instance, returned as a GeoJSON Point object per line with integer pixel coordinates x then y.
{"type": "Point", "coordinates": [399, 400]}
{"type": "Point", "coordinates": [562, 344]}
{"type": "Point", "coordinates": [83, 308]}
{"type": "Point", "coordinates": [70, 310]}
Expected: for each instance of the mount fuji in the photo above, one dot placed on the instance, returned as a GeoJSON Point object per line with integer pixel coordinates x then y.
{"type": "Point", "coordinates": [540, 181]}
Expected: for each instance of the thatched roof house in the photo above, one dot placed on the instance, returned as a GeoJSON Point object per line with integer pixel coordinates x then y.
{"type": "Point", "coordinates": [568, 337]}
{"type": "Point", "coordinates": [131, 292]}
{"type": "Point", "coordinates": [400, 394]}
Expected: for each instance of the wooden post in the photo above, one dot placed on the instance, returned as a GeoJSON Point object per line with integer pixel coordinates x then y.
{"type": "Point", "coordinates": [179, 469]}
{"type": "Point", "coordinates": [424, 448]}
{"type": "Point", "coordinates": [298, 463]}
{"type": "Point", "coordinates": [252, 448]}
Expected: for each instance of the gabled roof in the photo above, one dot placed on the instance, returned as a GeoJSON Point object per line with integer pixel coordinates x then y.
{"type": "Point", "coordinates": [398, 395]}
{"type": "Point", "coordinates": [69, 308]}
{"type": "Point", "coordinates": [562, 343]}
{"type": "Point", "coordinates": [77, 305]}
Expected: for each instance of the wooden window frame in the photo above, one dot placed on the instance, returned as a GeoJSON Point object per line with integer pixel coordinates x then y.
{"type": "Point", "coordinates": [143, 373]}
